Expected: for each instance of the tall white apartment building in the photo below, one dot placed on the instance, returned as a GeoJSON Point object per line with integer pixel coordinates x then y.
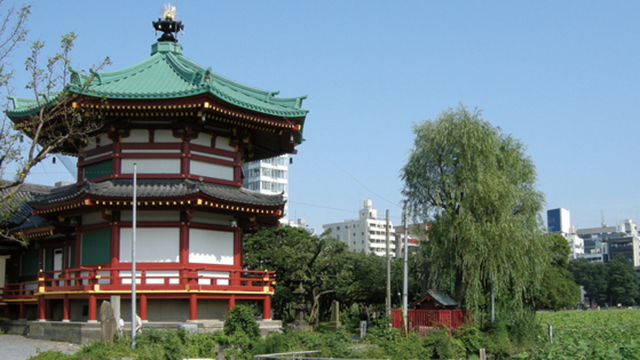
{"type": "Point", "coordinates": [367, 233]}
{"type": "Point", "coordinates": [559, 222]}
{"type": "Point", "coordinates": [269, 176]}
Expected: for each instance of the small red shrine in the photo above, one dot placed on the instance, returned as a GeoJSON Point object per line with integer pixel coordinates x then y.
{"type": "Point", "coordinates": [188, 130]}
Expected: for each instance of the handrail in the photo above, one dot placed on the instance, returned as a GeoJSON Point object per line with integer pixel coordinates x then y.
{"type": "Point", "coordinates": [84, 278]}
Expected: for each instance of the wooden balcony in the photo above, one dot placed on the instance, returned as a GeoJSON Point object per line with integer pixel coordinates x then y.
{"type": "Point", "coordinates": [166, 279]}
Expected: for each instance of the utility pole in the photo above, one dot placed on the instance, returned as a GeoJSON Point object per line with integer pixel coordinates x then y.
{"type": "Point", "coordinates": [133, 257]}
{"type": "Point", "coordinates": [388, 302]}
{"type": "Point", "coordinates": [405, 277]}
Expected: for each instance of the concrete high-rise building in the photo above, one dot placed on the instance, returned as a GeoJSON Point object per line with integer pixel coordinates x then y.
{"type": "Point", "coordinates": [559, 221]}
{"type": "Point", "coordinates": [622, 239]}
{"type": "Point", "coordinates": [598, 244]}
{"type": "Point", "coordinates": [269, 176]}
{"type": "Point", "coordinates": [367, 233]}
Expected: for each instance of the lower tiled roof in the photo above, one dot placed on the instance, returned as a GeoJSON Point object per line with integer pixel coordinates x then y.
{"type": "Point", "coordinates": [16, 209]}
{"type": "Point", "coordinates": [159, 188]}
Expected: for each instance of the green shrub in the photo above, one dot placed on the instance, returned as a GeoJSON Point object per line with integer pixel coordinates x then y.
{"type": "Point", "coordinates": [524, 328]}
{"type": "Point", "coordinates": [442, 346]}
{"type": "Point", "coordinates": [240, 319]}
{"type": "Point", "coordinates": [498, 342]}
{"type": "Point", "coordinates": [472, 338]}
{"type": "Point", "coordinates": [381, 330]}
{"type": "Point", "coordinates": [52, 355]}
{"type": "Point", "coordinates": [161, 344]}
{"type": "Point", "coordinates": [411, 347]}
{"type": "Point", "coordinates": [205, 345]}
{"type": "Point", "coordinates": [105, 351]}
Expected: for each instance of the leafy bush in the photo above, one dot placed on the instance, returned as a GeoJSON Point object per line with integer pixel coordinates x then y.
{"type": "Point", "coordinates": [381, 330]}
{"type": "Point", "coordinates": [498, 342]}
{"type": "Point", "coordinates": [240, 319]}
{"type": "Point", "coordinates": [472, 339]}
{"type": "Point", "coordinates": [52, 355]}
{"type": "Point", "coordinates": [205, 345]}
{"type": "Point", "coordinates": [105, 351]}
{"type": "Point", "coordinates": [411, 347]}
{"type": "Point", "coordinates": [524, 328]}
{"type": "Point", "coordinates": [441, 345]}
{"type": "Point", "coordinates": [161, 344]}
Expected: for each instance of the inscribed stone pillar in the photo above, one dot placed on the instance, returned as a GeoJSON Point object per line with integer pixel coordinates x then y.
{"type": "Point", "coordinates": [109, 324]}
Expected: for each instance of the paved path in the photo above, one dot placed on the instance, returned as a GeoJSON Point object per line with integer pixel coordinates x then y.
{"type": "Point", "coordinates": [16, 347]}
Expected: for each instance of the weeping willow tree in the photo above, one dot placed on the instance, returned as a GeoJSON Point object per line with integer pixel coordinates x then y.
{"type": "Point", "coordinates": [476, 187]}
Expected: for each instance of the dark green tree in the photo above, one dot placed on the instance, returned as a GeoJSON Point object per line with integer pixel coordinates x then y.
{"type": "Point", "coordinates": [558, 290]}
{"type": "Point", "coordinates": [623, 281]}
{"type": "Point", "coordinates": [592, 277]}
{"type": "Point", "coordinates": [320, 263]}
{"type": "Point", "coordinates": [476, 187]}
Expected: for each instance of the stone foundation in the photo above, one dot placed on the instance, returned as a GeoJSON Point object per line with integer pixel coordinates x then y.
{"type": "Point", "coordinates": [83, 332]}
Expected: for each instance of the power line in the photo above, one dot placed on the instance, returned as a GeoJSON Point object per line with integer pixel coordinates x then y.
{"type": "Point", "coordinates": [353, 177]}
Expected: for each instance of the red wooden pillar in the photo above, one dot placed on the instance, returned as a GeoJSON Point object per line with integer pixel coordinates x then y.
{"type": "Point", "coordinates": [42, 304]}
{"type": "Point", "coordinates": [184, 241]}
{"type": "Point", "coordinates": [92, 308]}
{"type": "Point", "coordinates": [237, 257]}
{"type": "Point", "coordinates": [42, 309]}
{"type": "Point", "coordinates": [266, 308]}
{"type": "Point", "coordinates": [193, 307]}
{"type": "Point", "coordinates": [232, 301]}
{"type": "Point", "coordinates": [184, 161]}
{"type": "Point", "coordinates": [143, 307]}
{"type": "Point", "coordinates": [78, 249]}
{"type": "Point", "coordinates": [115, 250]}
{"type": "Point", "coordinates": [237, 247]}
{"type": "Point", "coordinates": [184, 246]}
{"type": "Point", "coordinates": [65, 309]}
{"type": "Point", "coordinates": [116, 164]}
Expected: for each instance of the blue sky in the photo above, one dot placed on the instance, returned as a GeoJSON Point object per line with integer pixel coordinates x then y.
{"type": "Point", "coordinates": [563, 77]}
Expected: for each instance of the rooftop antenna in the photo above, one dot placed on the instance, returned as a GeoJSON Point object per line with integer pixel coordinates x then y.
{"type": "Point", "coordinates": [604, 224]}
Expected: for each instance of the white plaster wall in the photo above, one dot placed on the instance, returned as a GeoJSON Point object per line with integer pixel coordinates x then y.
{"type": "Point", "coordinates": [104, 140]}
{"type": "Point", "coordinates": [151, 151]}
{"type": "Point", "coordinates": [160, 276]}
{"type": "Point", "coordinates": [222, 143]}
{"type": "Point", "coordinates": [93, 218]}
{"type": "Point", "coordinates": [104, 277]}
{"type": "Point", "coordinates": [151, 216]}
{"type": "Point", "coordinates": [91, 144]}
{"type": "Point", "coordinates": [152, 166]}
{"type": "Point", "coordinates": [202, 139]}
{"type": "Point", "coordinates": [212, 156]}
{"type": "Point", "coordinates": [126, 276]}
{"type": "Point", "coordinates": [136, 136]}
{"type": "Point", "coordinates": [93, 141]}
{"type": "Point", "coordinates": [152, 245]}
{"type": "Point", "coordinates": [210, 247]}
{"type": "Point", "coordinates": [207, 218]}
{"type": "Point", "coordinates": [165, 136]}
{"type": "Point", "coordinates": [207, 275]}
{"type": "Point", "coordinates": [211, 170]}
{"type": "Point", "coordinates": [96, 156]}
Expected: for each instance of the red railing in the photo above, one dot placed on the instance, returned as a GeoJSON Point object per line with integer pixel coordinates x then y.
{"type": "Point", "coordinates": [417, 319]}
{"type": "Point", "coordinates": [161, 279]}
{"type": "Point", "coordinates": [25, 290]}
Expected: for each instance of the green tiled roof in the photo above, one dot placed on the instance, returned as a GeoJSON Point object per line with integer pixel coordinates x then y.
{"type": "Point", "coordinates": [168, 74]}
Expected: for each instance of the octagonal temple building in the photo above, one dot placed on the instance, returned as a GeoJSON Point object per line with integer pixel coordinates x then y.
{"type": "Point", "coordinates": [187, 131]}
